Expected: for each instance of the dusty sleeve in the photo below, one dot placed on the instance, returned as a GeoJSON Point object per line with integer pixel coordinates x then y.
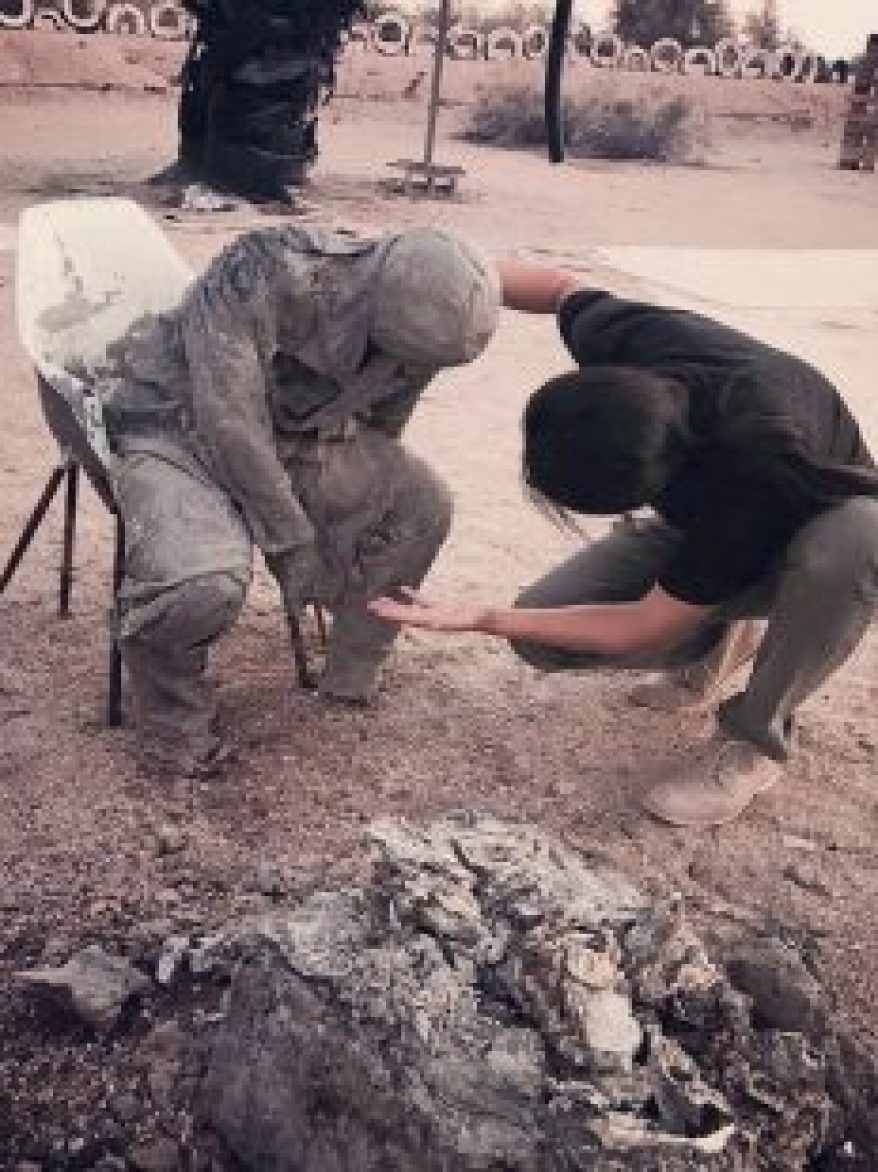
{"type": "Point", "coordinates": [232, 417]}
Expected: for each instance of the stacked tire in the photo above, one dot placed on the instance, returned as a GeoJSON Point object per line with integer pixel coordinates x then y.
{"type": "Point", "coordinates": [252, 84]}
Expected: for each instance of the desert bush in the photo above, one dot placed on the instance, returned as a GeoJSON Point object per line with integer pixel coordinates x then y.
{"type": "Point", "coordinates": [660, 127]}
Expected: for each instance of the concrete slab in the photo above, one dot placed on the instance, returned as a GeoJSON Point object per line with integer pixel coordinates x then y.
{"type": "Point", "coordinates": [807, 279]}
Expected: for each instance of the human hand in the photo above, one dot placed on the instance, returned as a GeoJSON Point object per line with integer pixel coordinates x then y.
{"type": "Point", "coordinates": [417, 611]}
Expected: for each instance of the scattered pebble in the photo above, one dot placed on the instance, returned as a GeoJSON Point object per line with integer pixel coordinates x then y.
{"type": "Point", "coordinates": [806, 876]}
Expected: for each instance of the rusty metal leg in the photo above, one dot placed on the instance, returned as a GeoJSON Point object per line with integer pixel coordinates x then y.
{"type": "Point", "coordinates": [300, 655]}
{"type": "Point", "coordinates": [114, 702]}
{"type": "Point", "coordinates": [71, 499]}
{"type": "Point", "coordinates": [320, 617]}
{"type": "Point", "coordinates": [32, 526]}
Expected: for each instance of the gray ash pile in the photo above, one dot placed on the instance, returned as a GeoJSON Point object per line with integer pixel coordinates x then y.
{"type": "Point", "coordinates": [493, 1000]}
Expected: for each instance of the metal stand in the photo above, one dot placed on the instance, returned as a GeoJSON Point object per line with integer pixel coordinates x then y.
{"type": "Point", "coordinates": [114, 698]}
{"type": "Point", "coordinates": [425, 176]}
{"type": "Point", "coordinates": [68, 472]}
{"type": "Point", "coordinates": [30, 530]}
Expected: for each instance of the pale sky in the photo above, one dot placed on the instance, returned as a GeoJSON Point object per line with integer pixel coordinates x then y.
{"type": "Point", "coordinates": [836, 28]}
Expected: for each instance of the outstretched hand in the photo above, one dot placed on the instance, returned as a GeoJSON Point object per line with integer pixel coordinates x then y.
{"type": "Point", "coordinates": [418, 611]}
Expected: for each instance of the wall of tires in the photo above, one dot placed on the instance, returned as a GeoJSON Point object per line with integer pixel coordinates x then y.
{"type": "Point", "coordinates": [395, 35]}
{"type": "Point", "coordinates": [163, 19]}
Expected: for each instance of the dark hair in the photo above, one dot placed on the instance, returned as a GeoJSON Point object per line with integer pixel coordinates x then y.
{"type": "Point", "coordinates": [606, 439]}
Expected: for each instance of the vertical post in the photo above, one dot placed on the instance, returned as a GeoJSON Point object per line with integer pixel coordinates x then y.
{"type": "Point", "coordinates": [114, 702]}
{"type": "Point", "coordinates": [71, 497]}
{"type": "Point", "coordinates": [436, 87]}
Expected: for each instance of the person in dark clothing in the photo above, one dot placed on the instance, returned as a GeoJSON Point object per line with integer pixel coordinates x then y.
{"type": "Point", "coordinates": [763, 502]}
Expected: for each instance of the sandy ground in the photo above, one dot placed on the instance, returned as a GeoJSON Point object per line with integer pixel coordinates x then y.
{"type": "Point", "coordinates": [461, 722]}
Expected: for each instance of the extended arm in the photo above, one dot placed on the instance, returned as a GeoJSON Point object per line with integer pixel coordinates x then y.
{"type": "Point", "coordinates": [534, 289]}
{"type": "Point", "coordinates": [612, 629]}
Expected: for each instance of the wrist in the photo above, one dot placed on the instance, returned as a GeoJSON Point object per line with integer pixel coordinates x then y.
{"type": "Point", "coordinates": [487, 622]}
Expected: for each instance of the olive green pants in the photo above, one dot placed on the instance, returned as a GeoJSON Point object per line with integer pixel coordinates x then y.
{"type": "Point", "coordinates": [819, 599]}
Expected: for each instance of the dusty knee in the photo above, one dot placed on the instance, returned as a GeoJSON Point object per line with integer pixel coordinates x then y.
{"type": "Point", "coordinates": [187, 614]}
{"type": "Point", "coordinates": [433, 507]}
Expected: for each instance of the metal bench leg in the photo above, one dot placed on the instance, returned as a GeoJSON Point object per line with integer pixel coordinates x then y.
{"type": "Point", "coordinates": [32, 526]}
{"type": "Point", "coordinates": [300, 655]}
{"type": "Point", "coordinates": [114, 702]}
{"type": "Point", "coordinates": [71, 498]}
{"type": "Point", "coordinates": [320, 616]}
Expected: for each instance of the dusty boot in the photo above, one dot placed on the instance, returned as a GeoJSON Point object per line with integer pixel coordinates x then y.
{"type": "Point", "coordinates": [699, 685]}
{"type": "Point", "coordinates": [351, 678]}
{"type": "Point", "coordinates": [715, 785]}
{"type": "Point", "coordinates": [162, 760]}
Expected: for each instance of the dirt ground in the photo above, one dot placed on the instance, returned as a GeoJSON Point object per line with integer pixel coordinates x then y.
{"type": "Point", "coordinates": [83, 837]}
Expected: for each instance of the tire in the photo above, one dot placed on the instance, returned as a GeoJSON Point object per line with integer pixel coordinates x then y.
{"type": "Point", "coordinates": [390, 48]}
{"type": "Point", "coordinates": [503, 44]}
{"type": "Point", "coordinates": [21, 19]}
{"type": "Point", "coordinates": [49, 18]}
{"type": "Point", "coordinates": [168, 21]}
{"type": "Point", "coordinates": [535, 42]}
{"type": "Point", "coordinates": [466, 44]}
{"type": "Point", "coordinates": [728, 58]}
{"type": "Point", "coordinates": [599, 55]}
{"type": "Point", "coordinates": [124, 18]}
{"type": "Point", "coordinates": [84, 23]}
{"type": "Point", "coordinates": [637, 60]}
{"type": "Point", "coordinates": [700, 56]}
{"type": "Point", "coordinates": [667, 55]}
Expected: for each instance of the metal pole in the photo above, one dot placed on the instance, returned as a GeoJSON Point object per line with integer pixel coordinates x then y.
{"type": "Point", "coordinates": [114, 701]}
{"type": "Point", "coordinates": [436, 88]}
{"type": "Point", "coordinates": [70, 503]}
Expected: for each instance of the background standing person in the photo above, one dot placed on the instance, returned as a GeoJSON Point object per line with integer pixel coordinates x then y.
{"type": "Point", "coordinates": [764, 503]}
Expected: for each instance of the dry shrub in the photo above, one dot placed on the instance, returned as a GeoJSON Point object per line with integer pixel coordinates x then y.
{"type": "Point", "coordinates": [656, 126]}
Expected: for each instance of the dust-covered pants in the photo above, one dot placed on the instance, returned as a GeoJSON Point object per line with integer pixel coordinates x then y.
{"type": "Point", "coordinates": [819, 600]}
{"type": "Point", "coordinates": [379, 514]}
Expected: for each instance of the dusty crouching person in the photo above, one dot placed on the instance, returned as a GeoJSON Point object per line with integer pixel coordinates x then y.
{"type": "Point", "coordinates": [761, 536]}
{"type": "Point", "coordinates": [267, 410]}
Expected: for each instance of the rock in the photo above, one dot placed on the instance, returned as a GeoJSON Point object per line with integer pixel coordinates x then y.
{"type": "Point", "coordinates": [171, 839]}
{"type": "Point", "coordinates": [125, 1107]}
{"type": "Point", "coordinates": [171, 959]}
{"type": "Point", "coordinates": [806, 876]}
{"type": "Point", "coordinates": [161, 1155]}
{"type": "Point", "coordinates": [110, 1164]}
{"type": "Point", "coordinates": [785, 995]}
{"type": "Point", "coordinates": [211, 956]}
{"type": "Point", "coordinates": [92, 985]}
{"type": "Point", "coordinates": [610, 1032]}
{"type": "Point", "coordinates": [269, 881]}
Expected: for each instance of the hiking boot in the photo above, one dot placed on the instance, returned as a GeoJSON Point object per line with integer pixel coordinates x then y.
{"type": "Point", "coordinates": [715, 785]}
{"type": "Point", "coordinates": [164, 761]}
{"type": "Point", "coordinates": [698, 686]}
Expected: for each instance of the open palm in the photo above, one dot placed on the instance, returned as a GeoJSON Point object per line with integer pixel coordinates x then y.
{"type": "Point", "coordinates": [417, 611]}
